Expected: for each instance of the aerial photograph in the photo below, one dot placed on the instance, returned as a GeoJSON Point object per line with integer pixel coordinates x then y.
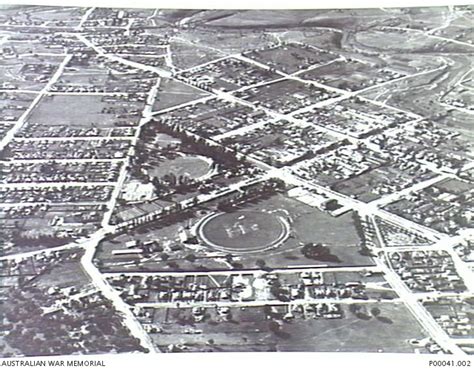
{"type": "Point", "coordinates": [180, 181]}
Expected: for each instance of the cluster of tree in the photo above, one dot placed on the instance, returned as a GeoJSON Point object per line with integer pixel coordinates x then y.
{"type": "Point", "coordinates": [275, 328]}
{"type": "Point", "coordinates": [331, 205]}
{"type": "Point", "coordinates": [263, 265]}
{"type": "Point", "coordinates": [361, 313]}
{"type": "Point", "coordinates": [319, 252]}
{"type": "Point", "coordinates": [279, 292]}
{"type": "Point", "coordinates": [41, 240]}
{"type": "Point", "coordinates": [198, 145]}
{"type": "Point", "coordinates": [171, 183]}
{"type": "Point", "coordinates": [165, 218]}
{"type": "Point", "coordinates": [37, 334]}
{"type": "Point", "coordinates": [363, 250]}
{"type": "Point", "coordinates": [254, 193]}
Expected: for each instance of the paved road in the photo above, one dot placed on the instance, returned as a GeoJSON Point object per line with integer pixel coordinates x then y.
{"type": "Point", "coordinates": [113, 295]}
{"type": "Point", "coordinates": [256, 272]}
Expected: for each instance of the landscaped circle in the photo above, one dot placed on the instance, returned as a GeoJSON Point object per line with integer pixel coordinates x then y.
{"type": "Point", "coordinates": [243, 231]}
{"type": "Point", "coordinates": [191, 166]}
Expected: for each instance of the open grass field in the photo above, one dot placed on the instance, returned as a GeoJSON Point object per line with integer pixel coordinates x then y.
{"type": "Point", "coordinates": [28, 48]}
{"type": "Point", "coordinates": [248, 330]}
{"type": "Point", "coordinates": [173, 93]}
{"type": "Point", "coordinates": [61, 110]}
{"type": "Point", "coordinates": [310, 225]}
{"type": "Point", "coordinates": [230, 40]}
{"type": "Point", "coordinates": [188, 54]}
{"type": "Point", "coordinates": [404, 41]}
{"type": "Point", "coordinates": [454, 186]}
{"type": "Point", "coordinates": [66, 274]}
{"type": "Point", "coordinates": [71, 15]}
{"type": "Point", "coordinates": [90, 76]}
{"type": "Point", "coordinates": [192, 167]}
{"type": "Point", "coordinates": [270, 19]}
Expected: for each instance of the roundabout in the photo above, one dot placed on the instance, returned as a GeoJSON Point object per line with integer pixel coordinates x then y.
{"type": "Point", "coordinates": [243, 231]}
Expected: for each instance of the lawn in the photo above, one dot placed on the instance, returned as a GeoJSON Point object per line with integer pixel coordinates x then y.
{"type": "Point", "coordinates": [193, 167]}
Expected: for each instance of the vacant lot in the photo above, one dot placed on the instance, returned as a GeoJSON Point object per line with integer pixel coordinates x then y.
{"type": "Point", "coordinates": [173, 93]}
{"type": "Point", "coordinates": [70, 110]}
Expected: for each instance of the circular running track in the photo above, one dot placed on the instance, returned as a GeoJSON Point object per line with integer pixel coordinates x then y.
{"type": "Point", "coordinates": [243, 231]}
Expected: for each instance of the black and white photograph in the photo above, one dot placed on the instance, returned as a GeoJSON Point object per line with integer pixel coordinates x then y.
{"type": "Point", "coordinates": [236, 181]}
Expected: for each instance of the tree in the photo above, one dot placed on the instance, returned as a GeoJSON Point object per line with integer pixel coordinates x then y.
{"type": "Point", "coordinates": [375, 311]}
{"type": "Point", "coordinates": [173, 265]}
{"type": "Point", "coordinates": [260, 263]}
{"type": "Point", "coordinates": [318, 252]}
{"type": "Point", "coordinates": [331, 205]}
{"type": "Point", "coordinates": [365, 251]}
{"type": "Point", "coordinates": [275, 328]}
{"type": "Point", "coordinates": [237, 265]}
